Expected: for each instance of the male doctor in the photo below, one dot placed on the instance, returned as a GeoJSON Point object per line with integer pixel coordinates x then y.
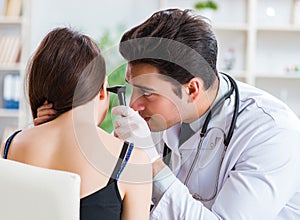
{"type": "Point", "coordinates": [223, 149]}
{"type": "Point", "coordinates": [227, 150]}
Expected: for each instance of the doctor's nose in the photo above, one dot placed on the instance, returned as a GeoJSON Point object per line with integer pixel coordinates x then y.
{"type": "Point", "coordinates": [136, 103]}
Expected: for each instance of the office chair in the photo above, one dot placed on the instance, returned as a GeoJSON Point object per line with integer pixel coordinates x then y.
{"type": "Point", "coordinates": [33, 193]}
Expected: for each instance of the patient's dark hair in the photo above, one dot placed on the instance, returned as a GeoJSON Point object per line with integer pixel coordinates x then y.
{"type": "Point", "coordinates": [194, 39]}
{"type": "Point", "coordinates": [67, 70]}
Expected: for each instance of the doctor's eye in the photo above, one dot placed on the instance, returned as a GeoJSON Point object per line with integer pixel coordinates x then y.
{"type": "Point", "coordinates": [146, 93]}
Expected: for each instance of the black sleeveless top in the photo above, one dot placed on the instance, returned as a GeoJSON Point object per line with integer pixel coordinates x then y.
{"type": "Point", "coordinates": [106, 203]}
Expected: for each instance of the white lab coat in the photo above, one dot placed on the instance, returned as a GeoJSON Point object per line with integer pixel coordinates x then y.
{"type": "Point", "coordinates": [259, 177]}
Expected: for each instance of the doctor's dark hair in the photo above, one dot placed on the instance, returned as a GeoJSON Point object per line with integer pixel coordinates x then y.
{"type": "Point", "coordinates": [67, 69]}
{"type": "Point", "coordinates": [181, 63]}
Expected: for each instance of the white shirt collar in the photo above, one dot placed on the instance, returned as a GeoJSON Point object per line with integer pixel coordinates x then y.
{"type": "Point", "coordinates": [171, 136]}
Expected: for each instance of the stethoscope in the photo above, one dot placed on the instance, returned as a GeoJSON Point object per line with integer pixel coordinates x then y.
{"type": "Point", "coordinates": [167, 151]}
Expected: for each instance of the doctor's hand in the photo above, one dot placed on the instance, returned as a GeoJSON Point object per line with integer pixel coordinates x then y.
{"type": "Point", "coordinates": [133, 128]}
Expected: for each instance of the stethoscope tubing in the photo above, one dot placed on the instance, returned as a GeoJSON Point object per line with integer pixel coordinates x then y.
{"type": "Point", "coordinates": [227, 138]}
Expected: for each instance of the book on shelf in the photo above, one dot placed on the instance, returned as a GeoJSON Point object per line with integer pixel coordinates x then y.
{"type": "Point", "coordinates": [10, 49]}
{"type": "Point", "coordinates": [11, 91]}
{"type": "Point", "coordinates": [13, 8]}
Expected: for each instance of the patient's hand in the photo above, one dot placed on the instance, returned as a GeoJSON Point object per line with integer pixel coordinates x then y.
{"type": "Point", "coordinates": [45, 113]}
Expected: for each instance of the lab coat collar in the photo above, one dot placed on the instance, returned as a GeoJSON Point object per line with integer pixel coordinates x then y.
{"type": "Point", "coordinates": [171, 135]}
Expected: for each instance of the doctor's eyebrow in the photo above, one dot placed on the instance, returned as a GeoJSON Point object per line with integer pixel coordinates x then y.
{"type": "Point", "coordinates": [145, 88]}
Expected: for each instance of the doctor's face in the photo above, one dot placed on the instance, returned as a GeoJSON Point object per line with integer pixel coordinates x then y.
{"type": "Point", "coordinates": [153, 97]}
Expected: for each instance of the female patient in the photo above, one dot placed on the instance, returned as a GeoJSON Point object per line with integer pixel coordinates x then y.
{"type": "Point", "coordinates": [68, 70]}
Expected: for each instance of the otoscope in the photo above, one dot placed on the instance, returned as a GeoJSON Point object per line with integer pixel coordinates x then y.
{"type": "Point", "coordinates": [120, 91]}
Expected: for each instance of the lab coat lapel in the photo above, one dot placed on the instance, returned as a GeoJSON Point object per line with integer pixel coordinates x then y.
{"type": "Point", "coordinates": [213, 140]}
{"type": "Point", "coordinates": [170, 137]}
{"type": "Point", "coordinates": [188, 148]}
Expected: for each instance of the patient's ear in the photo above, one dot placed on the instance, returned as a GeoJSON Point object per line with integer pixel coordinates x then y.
{"type": "Point", "coordinates": [103, 93]}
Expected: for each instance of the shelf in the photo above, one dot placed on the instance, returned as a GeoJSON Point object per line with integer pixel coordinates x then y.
{"type": "Point", "coordinates": [9, 113]}
{"type": "Point", "coordinates": [245, 27]}
{"type": "Point", "coordinates": [278, 76]}
{"type": "Point", "coordinates": [230, 27]}
{"type": "Point", "coordinates": [12, 27]}
{"type": "Point", "coordinates": [264, 35]}
{"type": "Point", "coordinates": [286, 28]}
{"type": "Point", "coordinates": [10, 20]}
{"type": "Point", "coordinates": [10, 68]}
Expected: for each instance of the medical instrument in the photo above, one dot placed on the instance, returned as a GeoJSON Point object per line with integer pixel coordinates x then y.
{"type": "Point", "coordinates": [120, 91]}
{"type": "Point", "coordinates": [166, 152]}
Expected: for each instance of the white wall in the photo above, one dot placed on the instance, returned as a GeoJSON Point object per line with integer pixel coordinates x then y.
{"type": "Point", "coordinates": [92, 17]}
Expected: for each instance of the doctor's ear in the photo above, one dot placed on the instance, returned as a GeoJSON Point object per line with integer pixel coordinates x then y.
{"type": "Point", "coordinates": [193, 88]}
